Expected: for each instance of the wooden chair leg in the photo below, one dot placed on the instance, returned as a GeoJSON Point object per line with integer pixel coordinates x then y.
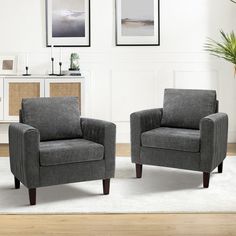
{"type": "Point", "coordinates": [17, 183]}
{"type": "Point", "coordinates": [220, 168]}
{"type": "Point", "coordinates": [32, 196]}
{"type": "Point", "coordinates": [106, 186]}
{"type": "Point", "coordinates": [139, 169]}
{"type": "Point", "coordinates": [206, 179]}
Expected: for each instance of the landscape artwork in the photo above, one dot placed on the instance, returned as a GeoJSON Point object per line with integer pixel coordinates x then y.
{"type": "Point", "coordinates": [68, 18]}
{"type": "Point", "coordinates": [138, 20]}
{"type": "Point", "coordinates": [68, 23]}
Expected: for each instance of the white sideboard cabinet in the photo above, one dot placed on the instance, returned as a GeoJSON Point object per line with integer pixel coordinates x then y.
{"type": "Point", "coordinates": [14, 88]}
{"type": "Point", "coordinates": [1, 98]}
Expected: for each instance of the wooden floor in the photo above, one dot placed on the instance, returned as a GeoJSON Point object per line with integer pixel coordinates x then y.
{"type": "Point", "coordinates": [4, 152]}
{"type": "Point", "coordinates": [119, 224]}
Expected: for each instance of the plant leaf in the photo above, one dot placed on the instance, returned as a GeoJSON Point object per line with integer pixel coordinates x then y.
{"type": "Point", "coordinates": [225, 49]}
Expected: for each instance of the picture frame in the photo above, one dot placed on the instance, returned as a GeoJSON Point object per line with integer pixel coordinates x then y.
{"type": "Point", "coordinates": [8, 65]}
{"type": "Point", "coordinates": [137, 22]}
{"type": "Point", "coordinates": [68, 23]}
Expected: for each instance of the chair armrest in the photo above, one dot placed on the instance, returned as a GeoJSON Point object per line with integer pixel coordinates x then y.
{"type": "Point", "coordinates": [104, 133]}
{"type": "Point", "coordinates": [140, 122]}
{"type": "Point", "coordinates": [214, 135]}
{"type": "Point", "coordinates": [24, 153]}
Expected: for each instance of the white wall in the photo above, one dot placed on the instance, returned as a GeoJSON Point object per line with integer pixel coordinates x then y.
{"type": "Point", "coordinates": [126, 79]}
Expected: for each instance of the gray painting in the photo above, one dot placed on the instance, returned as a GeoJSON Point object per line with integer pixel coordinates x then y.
{"type": "Point", "coordinates": [137, 17]}
{"type": "Point", "coordinates": [68, 18]}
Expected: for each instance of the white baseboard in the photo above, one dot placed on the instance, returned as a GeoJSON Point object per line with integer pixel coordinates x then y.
{"type": "Point", "coordinates": [4, 140]}
{"type": "Point", "coordinates": [4, 133]}
{"type": "Point", "coordinates": [123, 138]}
{"type": "Point", "coordinates": [232, 137]}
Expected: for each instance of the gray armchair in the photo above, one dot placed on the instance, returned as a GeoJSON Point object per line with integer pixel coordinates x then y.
{"type": "Point", "coordinates": [188, 133]}
{"type": "Point", "coordinates": [53, 145]}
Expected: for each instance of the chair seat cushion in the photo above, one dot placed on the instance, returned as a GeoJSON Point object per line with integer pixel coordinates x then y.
{"type": "Point", "coordinates": [187, 140]}
{"type": "Point", "coordinates": [69, 151]}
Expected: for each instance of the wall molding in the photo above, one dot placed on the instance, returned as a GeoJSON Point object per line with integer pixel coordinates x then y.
{"type": "Point", "coordinates": [160, 76]}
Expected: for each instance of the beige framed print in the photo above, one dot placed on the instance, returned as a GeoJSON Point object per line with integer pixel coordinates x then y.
{"type": "Point", "coordinates": [8, 65]}
{"type": "Point", "coordinates": [137, 22]}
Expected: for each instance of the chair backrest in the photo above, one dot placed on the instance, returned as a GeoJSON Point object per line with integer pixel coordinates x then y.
{"type": "Point", "coordinates": [184, 108]}
{"type": "Point", "coordinates": [55, 117]}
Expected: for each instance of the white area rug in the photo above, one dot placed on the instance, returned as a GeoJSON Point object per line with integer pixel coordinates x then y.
{"type": "Point", "coordinates": [161, 190]}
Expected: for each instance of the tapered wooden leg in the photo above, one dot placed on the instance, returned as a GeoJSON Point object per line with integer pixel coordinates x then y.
{"type": "Point", "coordinates": [17, 183]}
{"type": "Point", "coordinates": [220, 168]}
{"type": "Point", "coordinates": [106, 186]}
{"type": "Point", "coordinates": [139, 169]}
{"type": "Point", "coordinates": [206, 179]}
{"type": "Point", "coordinates": [32, 196]}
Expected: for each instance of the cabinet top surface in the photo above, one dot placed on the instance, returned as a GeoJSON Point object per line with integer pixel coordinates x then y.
{"type": "Point", "coordinates": [41, 76]}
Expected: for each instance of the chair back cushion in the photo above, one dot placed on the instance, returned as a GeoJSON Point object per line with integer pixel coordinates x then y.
{"type": "Point", "coordinates": [55, 117]}
{"type": "Point", "coordinates": [184, 108]}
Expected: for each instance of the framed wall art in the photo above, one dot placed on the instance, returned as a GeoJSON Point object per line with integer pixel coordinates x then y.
{"type": "Point", "coordinates": [137, 22]}
{"type": "Point", "coordinates": [68, 23]}
{"type": "Point", "coordinates": [8, 65]}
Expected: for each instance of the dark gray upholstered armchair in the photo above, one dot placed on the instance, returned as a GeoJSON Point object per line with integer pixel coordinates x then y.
{"type": "Point", "coordinates": [188, 133]}
{"type": "Point", "coordinates": [53, 145]}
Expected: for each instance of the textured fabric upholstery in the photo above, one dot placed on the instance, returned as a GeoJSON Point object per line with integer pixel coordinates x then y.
{"type": "Point", "coordinates": [196, 138]}
{"type": "Point", "coordinates": [20, 116]}
{"type": "Point", "coordinates": [170, 158]}
{"type": "Point", "coordinates": [214, 134]}
{"type": "Point", "coordinates": [69, 151]}
{"type": "Point", "coordinates": [55, 118]}
{"type": "Point", "coordinates": [217, 106]}
{"type": "Point", "coordinates": [140, 122]}
{"type": "Point", "coordinates": [24, 153]}
{"type": "Point", "coordinates": [185, 108]}
{"type": "Point", "coordinates": [54, 159]}
{"type": "Point", "coordinates": [104, 133]}
{"type": "Point", "coordinates": [70, 173]}
{"type": "Point", "coordinates": [187, 140]}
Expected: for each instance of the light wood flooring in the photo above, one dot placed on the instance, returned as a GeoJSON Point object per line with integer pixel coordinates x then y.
{"type": "Point", "coordinates": [119, 224]}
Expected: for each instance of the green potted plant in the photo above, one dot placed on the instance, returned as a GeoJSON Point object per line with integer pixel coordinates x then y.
{"type": "Point", "coordinates": [74, 62]}
{"type": "Point", "coordinates": [225, 49]}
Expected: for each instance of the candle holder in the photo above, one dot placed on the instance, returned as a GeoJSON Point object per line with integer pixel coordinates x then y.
{"type": "Point", "coordinates": [60, 73]}
{"type": "Point", "coordinates": [52, 74]}
{"type": "Point", "coordinates": [26, 71]}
